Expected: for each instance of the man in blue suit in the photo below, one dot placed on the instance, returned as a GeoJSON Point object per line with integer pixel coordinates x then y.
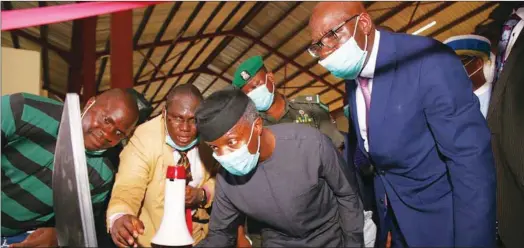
{"type": "Point", "coordinates": [420, 124]}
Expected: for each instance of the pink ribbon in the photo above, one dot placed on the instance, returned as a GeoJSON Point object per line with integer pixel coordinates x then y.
{"type": "Point", "coordinates": [23, 18]}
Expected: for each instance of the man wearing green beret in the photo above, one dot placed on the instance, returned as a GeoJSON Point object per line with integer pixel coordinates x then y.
{"type": "Point", "coordinates": [253, 78]}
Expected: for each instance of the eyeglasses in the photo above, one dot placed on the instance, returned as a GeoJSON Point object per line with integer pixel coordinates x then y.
{"type": "Point", "coordinates": [330, 39]}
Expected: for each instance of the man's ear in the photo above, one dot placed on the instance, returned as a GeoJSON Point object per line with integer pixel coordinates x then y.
{"type": "Point", "coordinates": [259, 125]}
{"type": "Point", "coordinates": [365, 23]}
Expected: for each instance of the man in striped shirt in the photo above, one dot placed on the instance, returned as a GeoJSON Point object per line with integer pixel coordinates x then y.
{"type": "Point", "coordinates": [30, 126]}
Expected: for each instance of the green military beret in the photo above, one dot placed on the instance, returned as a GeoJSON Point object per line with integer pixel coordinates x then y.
{"type": "Point", "coordinates": [247, 70]}
{"type": "Point", "coordinates": [310, 99]}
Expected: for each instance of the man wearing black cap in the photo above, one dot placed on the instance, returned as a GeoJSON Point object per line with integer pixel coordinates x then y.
{"type": "Point", "coordinates": [289, 177]}
{"type": "Point", "coordinates": [253, 78]}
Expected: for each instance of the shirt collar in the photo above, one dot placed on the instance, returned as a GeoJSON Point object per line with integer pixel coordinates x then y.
{"type": "Point", "coordinates": [520, 12]}
{"type": "Point", "coordinates": [369, 69]}
{"type": "Point", "coordinates": [483, 89]}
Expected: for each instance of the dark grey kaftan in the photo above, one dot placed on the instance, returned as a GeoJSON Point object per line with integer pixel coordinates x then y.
{"type": "Point", "coordinates": [301, 195]}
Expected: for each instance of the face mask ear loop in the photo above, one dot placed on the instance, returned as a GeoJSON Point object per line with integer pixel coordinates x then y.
{"type": "Point", "coordinates": [475, 72]}
{"type": "Point", "coordinates": [88, 107]}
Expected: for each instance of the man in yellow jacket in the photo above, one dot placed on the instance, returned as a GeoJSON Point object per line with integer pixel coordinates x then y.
{"type": "Point", "coordinates": [136, 207]}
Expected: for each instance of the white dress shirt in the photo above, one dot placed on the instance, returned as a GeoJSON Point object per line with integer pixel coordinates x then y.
{"type": "Point", "coordinates": [368, 72]}
{"type": "Point", "coordinates": [516, 32]}
{"type": "Point", "coordinates": [483, 93]}
{"type": "Point", "coordinates": [196, 172]}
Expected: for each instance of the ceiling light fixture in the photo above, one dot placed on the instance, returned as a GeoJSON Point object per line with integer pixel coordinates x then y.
{"type": "Point", "coordinates": [424, 28]}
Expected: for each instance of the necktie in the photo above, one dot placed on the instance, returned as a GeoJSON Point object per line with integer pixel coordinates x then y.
{"type": "Point", "coordinates": [361, 161]}
{"type": "Point", "coordinates": [184, 161]}
{"type": "Point", "coordinates": [364, 85]}
{"type": "Point", "coordinates": [507, 28]}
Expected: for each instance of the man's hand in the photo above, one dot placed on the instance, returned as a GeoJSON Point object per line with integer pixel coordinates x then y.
{"type": "Point", "coordinates": [41, 237]}
{"type": "Point", "coordinates": [193, 196]}
{"type": "Point", "coordinates": [126, 229]}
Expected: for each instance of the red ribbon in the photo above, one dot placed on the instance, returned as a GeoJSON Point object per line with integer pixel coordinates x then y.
{"type": "Point", "coordinates": [23, 18]}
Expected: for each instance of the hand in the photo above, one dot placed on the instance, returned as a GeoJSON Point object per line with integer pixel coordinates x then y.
{"type": "Point", "coordinates": [193, 196]}
{"type": "Point", "coordinates": [125, 230]}
{"type": "Point", "coordinates": [41, 237]}
{"type": "Point", "coordinates": [243, 242]}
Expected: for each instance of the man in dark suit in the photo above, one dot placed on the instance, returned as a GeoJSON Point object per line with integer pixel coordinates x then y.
{"type": "Point", "coordinates": [506, 120]}
{"type": "Point", "coordinates": [428, 141]}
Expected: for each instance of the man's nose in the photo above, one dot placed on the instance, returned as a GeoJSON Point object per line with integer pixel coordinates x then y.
{"type": "Point", "coordinates": [185, 126]}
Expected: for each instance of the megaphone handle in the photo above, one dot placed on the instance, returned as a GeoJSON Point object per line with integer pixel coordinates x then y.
{"type": "Point", "coordinates": [189, 220]}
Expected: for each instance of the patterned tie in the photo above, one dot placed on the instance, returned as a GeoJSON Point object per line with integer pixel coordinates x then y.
{"type": "Point", "coordinates": [184, 161]}
{"type": "Point", "coordinates": [507, 28]}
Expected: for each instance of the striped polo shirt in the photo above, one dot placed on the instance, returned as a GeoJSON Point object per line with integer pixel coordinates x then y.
{"type": "Point", "coordinates": [29, 132]}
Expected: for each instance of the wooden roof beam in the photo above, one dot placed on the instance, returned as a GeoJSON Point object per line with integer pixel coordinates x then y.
{"type": "Point", "coordinates": [245, 20]}
{"type": "Point", "coordinates": [157, 39]}
{"type": "Point", "coordinates": [44, 34]}
{"type": "Point", "coordinates": [171, 47]}
{"type": "Point", "coordinates": [225, 42]}
{"type": "Point", "coordinates": [204, 26]}
{"type": "Point", "coordinates": [137, 36]}
{"type": "Point", "coordinates": [278, 21]}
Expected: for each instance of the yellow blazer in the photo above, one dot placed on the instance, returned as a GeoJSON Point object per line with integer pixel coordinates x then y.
{"type": "Point", "coordinates": [140, 181]}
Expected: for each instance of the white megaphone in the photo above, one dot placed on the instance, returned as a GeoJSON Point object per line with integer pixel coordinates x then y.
{"type": "Point", "coordinates": [173, 231]}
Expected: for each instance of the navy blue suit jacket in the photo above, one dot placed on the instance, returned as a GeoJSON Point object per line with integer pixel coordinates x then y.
{"type": "Point", "coordinates": [430, 145]}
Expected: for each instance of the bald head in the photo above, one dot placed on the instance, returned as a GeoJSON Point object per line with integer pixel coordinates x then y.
{"type": "Point", "coordinates": [108, 118]}
{"type": "Point", "coordinates": [356, 22]}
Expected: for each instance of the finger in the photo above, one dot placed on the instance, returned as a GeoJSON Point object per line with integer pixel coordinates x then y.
{"type": "Point", "coordinates": [119, 241]}
{"type": "Point", "coordinates": [138, 225]}
{"type": "Point", "coordinates": [21, 244]}
{"type": "Point", "coordinates": [126, 235]}
{"type": "Point", "coordinates": [131, 228]}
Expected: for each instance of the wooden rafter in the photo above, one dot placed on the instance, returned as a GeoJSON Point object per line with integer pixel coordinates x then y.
{"type": "Point", "coordinates": [157, 39]}
{"type": "Point", "coordinates": [172, 46]}
{"type": "Point", "coordinates": [44, 34]}
{"type": "Point", "coordinates": [277, 22]}
{"type": "Point", "coordinates": [204, 27]}
{"type": "Point", "coordinates": [244, 21]}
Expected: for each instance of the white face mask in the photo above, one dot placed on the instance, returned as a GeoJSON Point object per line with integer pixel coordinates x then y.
{"type": "Point", "coordinates": [241, 161]}
{"type": "Point", "coordinates": [261, 96]}
{"type": "Point", "coordinates": [348, 60]}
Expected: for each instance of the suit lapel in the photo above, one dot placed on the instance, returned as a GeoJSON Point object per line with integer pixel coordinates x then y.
{"type": "Point", "coordinates": [500, 84]}
{"type": "Point", "coordinates": [382, 81]}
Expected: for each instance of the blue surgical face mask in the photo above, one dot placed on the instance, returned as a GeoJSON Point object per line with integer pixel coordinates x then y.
{"type": "Point", "coordinates": [97, 152]}
{"type": "Point", "coordinates": [346, 111]}
{"type": "Point", "coordinates": [348, 60]}
{"type": "Point", "coordinates": [262, 97]}
{"type": "Point", "coordinates": [172, 143]}
{"type": "Point", "coordinates": [241, 161]}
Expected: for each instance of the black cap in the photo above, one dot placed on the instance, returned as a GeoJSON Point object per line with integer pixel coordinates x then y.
{"type": "Point", "coordinates": [219, 113]}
